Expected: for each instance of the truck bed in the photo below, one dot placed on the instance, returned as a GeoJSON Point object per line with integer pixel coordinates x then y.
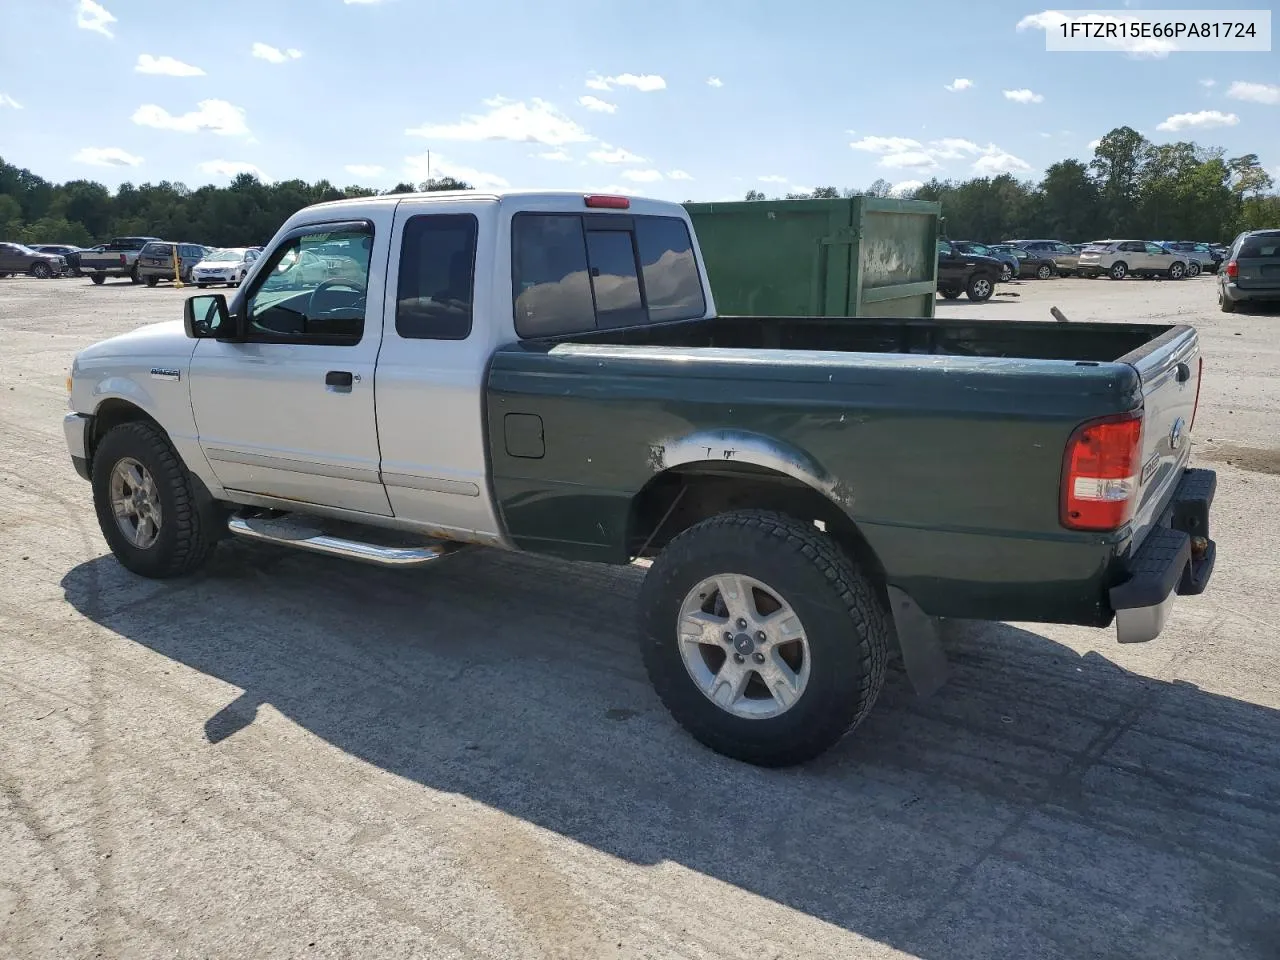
{"type": "Point", "coordinates": [1030, 340]}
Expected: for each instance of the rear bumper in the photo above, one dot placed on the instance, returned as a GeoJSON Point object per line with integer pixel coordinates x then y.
{"type": "Point", "coordinates": [1238, 294]}
{"type": "Point", "coordinates": [1175, 559]}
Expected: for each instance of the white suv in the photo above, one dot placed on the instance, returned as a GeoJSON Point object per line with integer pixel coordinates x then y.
{"type": "Point", "coordinates": [1122, 258]}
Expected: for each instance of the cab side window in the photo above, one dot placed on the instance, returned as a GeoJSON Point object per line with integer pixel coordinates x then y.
{"type": "Point", "coordinates": [313, 289]}
{"type": "Point", "coordinates": [435, 291]}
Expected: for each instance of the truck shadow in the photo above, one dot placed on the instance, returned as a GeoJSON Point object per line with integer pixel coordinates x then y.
{"type": "Point", "coordinates": [1042, 805]}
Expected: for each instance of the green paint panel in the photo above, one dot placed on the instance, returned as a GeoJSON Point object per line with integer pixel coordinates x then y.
{"type": "Point", "coordinates": [852, 257]}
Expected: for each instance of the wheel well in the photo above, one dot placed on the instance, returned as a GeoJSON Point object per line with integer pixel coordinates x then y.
{"type": "Point", "coordinates": [109, 415]}
{"type": "Point", "coordinates": [676, 499]}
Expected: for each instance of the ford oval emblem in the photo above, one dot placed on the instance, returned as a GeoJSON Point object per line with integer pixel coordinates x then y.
{"type": "Point", "coordinates": [1175, 434]}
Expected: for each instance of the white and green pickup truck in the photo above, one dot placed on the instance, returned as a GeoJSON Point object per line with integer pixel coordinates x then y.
{"type": "Point", "coordinates": [401, 377]}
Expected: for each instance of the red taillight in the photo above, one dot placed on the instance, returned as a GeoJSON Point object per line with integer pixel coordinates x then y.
{"type": "Point", "coordinates": [123, 259]}
{"type": "Point", "coordinates": [1199, 380]}
{"type": "Point", "coordinates": [1100, 472]}
{"type": "Point", "coordinates": [607, 202]}
{"type": "Point", "coordinates": [1233, 269]}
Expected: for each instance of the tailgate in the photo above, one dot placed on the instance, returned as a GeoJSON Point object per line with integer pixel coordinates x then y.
{"type": "Point", "coordinates": [1170, 369]}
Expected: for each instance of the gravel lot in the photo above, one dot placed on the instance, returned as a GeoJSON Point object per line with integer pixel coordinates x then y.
{"type": "Point", "coordinates": [290, 756]}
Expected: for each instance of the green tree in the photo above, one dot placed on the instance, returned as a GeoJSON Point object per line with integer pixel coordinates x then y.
{"type": "Point", "coordinates": [1118, 162]}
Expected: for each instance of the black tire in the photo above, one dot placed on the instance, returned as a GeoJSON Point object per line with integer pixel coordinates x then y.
{"type": "Point", "coordinates": [98, 279]}
{"type": "Point", "coordinates": [152, 281]}
{"type": "Point", "coordinates": [202, 285]}
{"type": "Point", "coordinates": [1193, 270]}
{"type": "Point", "coordinates": [186, 536]}
{"type": "Point", "coordinates": [1225, 303]}
{"type": "Point", "coordinates": [950, 293]}
{"type": "Point", "coordinates": [980, 288]}
{"type": "Point", "coordinates": [1006, 273]}
{"type": "Point", "coordinates": [133, 275]}
{"type": "Point", "coordinates": [3, 275]}
{"type": "Point", "coordinates": [41, 270]}
{"type": "Point", "coordinates": [1177, 270]}
{"type": "Point", "coordinates": [840, 612]}
{"type": "Point", "coordinates": [1118, 271]}
{"type": "Point", "coordinates": [1044, 272]}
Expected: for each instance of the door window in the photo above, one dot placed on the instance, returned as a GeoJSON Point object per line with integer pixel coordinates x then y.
{"type": "Point", "coordinates": [313, 289]}
{"type": "Point", "coordinates": [1154, 248]}
{"type": "Point", "coordinates": [437, 277]}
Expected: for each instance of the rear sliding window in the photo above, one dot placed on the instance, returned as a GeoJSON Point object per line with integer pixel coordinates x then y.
{"type": "Point", "coordinates": [572, 273]}
{"type": "Point", "coordinates": [1259, 248]}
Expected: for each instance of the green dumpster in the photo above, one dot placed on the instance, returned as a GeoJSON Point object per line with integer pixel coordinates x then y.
{"type": "Point", "coordinates": [852, 257]}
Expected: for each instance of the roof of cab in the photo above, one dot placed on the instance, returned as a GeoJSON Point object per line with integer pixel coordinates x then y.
{"type": "Point", "coordinates": [494, 195]}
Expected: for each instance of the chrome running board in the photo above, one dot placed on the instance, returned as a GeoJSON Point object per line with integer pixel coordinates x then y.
{"type": "Point", "coordinates": [304, 534]}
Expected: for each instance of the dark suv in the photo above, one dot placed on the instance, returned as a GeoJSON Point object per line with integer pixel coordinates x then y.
{"type": "Point", "coordinates": [155, 260]}
{"type": "Point", "coordinates": [15, 258]}
{"type": "Point", "coordinates": [1252, 271]}
{"type": "Point", "coordinates": [960, 272]}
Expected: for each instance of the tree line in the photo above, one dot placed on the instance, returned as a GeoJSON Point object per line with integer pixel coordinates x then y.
{"type": "Point", "coordinates": [1131, 188]}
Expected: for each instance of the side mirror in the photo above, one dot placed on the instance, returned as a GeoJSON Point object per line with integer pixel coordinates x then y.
{"type": "Point", "coordinates": [207, 317]}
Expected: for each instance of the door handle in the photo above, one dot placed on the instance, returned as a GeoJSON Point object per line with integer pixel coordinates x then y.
{"type": "Point", "coordinates": [339, 378]}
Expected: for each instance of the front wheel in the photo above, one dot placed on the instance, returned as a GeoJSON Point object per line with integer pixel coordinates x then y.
{"type": "Point", "coordinates": [202, 286]}
{"type": "Point", "coordinates": [762, 638]}
{"type": "Point", "coordinates": [134, 276]}
{"type": "Point", "coordinates": [146, 504]}
{"type": "Point", "coordinates": [1193, 270]}
{"type": "Point", "coordinates": [41, 271]}
{"type": "Point", "coordinates": [152, 281]}
{"type": "Point", "coordinates": [980, 288]}
{"type": "Point", "coordinates": [1177, 271]}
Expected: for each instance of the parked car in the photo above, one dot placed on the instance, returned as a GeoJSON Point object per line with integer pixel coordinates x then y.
{"type": "Point", "coordinates": [1031, 264]}
{"type": "Point", "coordinates": [968, 273]}
{"type": "Point", "coordinates": [18, 258]}
{"type": "Point", "coordinates": [1139, 258]}
{"type": "Point", "coordinates": [1011, 263]}
{"type": "Point", "coordinates": [119, 258]}
{"type": "Point", "coordinates": [552, 376]}
{"type": "Point", "coordinates": [1064, 256]}
{"type": "Point", "coordinates": [156, 261]}
{"type": "Point", "coordinates": [1252, 271]}
{"type": "Point", "coordinates": [229, 266]}
{"type": "Point", "coordinates": [69, 253]}
{"type": "Point", "coordinates": [1196, 261]}
{"type": "Point", "coordinates": [1209, 259]}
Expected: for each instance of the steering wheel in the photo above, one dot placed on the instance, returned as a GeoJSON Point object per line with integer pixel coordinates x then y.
{"type": "Point", "coordinates": [327, 284]}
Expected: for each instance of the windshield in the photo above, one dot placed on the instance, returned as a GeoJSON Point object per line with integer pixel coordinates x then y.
{"type": "Point", "coordinates": [222, 256]}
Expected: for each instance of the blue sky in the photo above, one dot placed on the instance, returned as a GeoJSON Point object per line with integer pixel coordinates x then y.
{"type": "Point", "coordinates": [679, 100]}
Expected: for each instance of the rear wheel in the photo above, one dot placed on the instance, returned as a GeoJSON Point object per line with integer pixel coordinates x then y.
{"type": "Point", "coordinates": [1119, 270]}
{"type": "Point", "coordinates": [146, 503]}
{"type": "Point", "coordinates": [980, 288]}
{"type": "Point", "coordinates": [98, 278]}
{"type": "Point", "coordinates": [949, 293]}
{"type": "Point", "coordinates": [152, 281]}
{"type": "Point", "coordinates": [1006, 273]}
{"type": "Point", "coordinates": [762, 638]}
{"type": "Point", "coordinates": [134, 276]}
{"type": "Point", "coordinates": [1193, 269]}
{"type": "Point", "coordinates": [1044, 271]}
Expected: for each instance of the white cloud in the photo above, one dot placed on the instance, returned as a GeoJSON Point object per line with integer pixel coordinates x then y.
{"type": "Point", "coordinates": [166, 66]}
{"type": "Point", "coordinates": [678, 175]}
{"type": "Point", "coordinates": [608, 154]}
{"type": "Point", "coordinates": [559, 156]}
{"type": "Point", "coordinates": [417, 168]}
{"type": "Point", "coordinates": [909, 159]}
{"type": "Point", "coordinates": [106, 157]}
{"type": "Point", "coordinates": [772, 178]}
{"type": "Point", "coordinates": [264, 51]}
{"type": "Point", "coordinates": [953, 148]}
{"type": "Point", "coordinates": [645, 82]}
{"type": "Point", "coordinates": [231, 169]}
{"type": "Point", "coordinates": [996, 161]}
{"type": "Point", "coordinates": [215, 116]}
{"type": "Point", "coordinates": [715, 82]}
{"type": "Point", "coordinates": [596, 104]}
{"type": "Point", "coordinates": [1201, 120]}
{"type": "Point", "coordinates": [1023, 96]}
{"type": "Point", "coordinates": [1208, 83]}
{"type": "Point", "coordinates": [8, 101]}
{"type": "Point", "coordinates": [1268, 93]}
{"type": "Point", "coordinates": [364, 169]}
{"type": "Point", "coordinates": [642, 176]}
{"type": "Point", "coordinates": [1094, 144]}
{"type": "Point", "coordinates": [1136, 47]}
{"type": "Point", "coordinates": [534, 122]}
{"type": "Point", "coordinates": [95, 17]}
{"type": "Point", "coordinates": [885, 144]}
{"type": "Point", "coordinates": [958, 84]}
{"type": "Point", "coordinates": [905, 186]}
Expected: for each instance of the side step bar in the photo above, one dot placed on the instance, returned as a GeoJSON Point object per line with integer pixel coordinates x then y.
{"type": "Point", "coordinates": [290, 531]}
